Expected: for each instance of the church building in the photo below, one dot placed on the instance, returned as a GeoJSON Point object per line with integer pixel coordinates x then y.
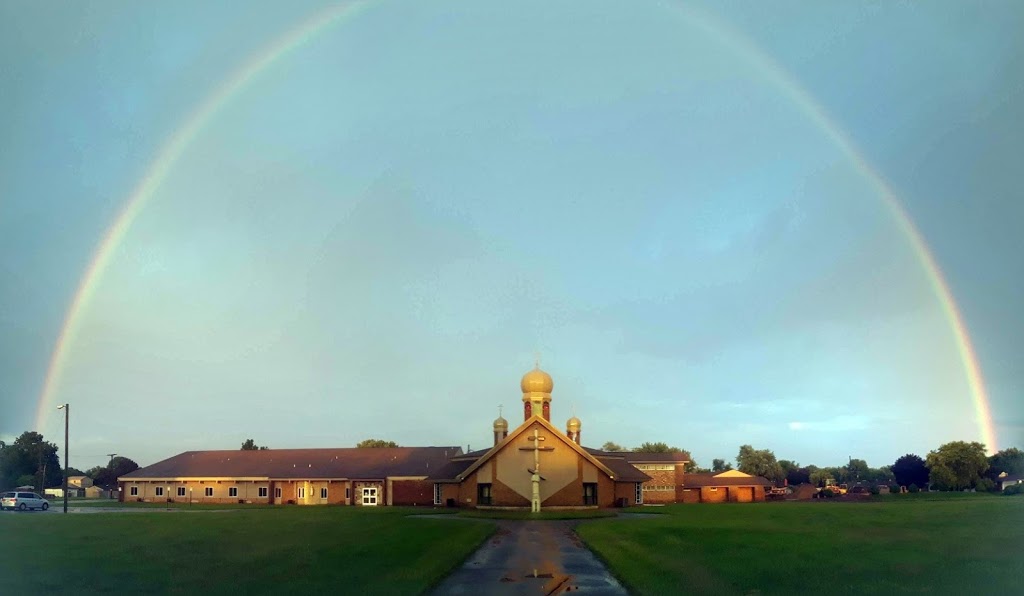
{"type": "Point", "coordinates": [534, 465]}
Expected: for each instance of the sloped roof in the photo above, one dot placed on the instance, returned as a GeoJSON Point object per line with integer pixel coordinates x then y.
{"type": "Point", "coordinates": [451, 470]}
{"type": "Point", "coordinates": [698, 480]}
{"type": "Point", "coordinates": [555, 432]}
{"type": "Point", "coordinates": [624, 471]}
{"type": "Point", "coordinates": [349, 462]}
{"type": "Point", "coordinates": [645, 458]}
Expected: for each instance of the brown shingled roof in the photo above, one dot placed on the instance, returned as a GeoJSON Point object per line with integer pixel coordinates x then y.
{"type": "Point", "coordinates": [624, 471]}
{"type": "Point", "coordinates": [353, 463]}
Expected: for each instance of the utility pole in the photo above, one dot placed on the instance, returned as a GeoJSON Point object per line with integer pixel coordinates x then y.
{"type": "Point", "coordinates": [110, 467]}
{"type": "Point", "coordinates": [67, 415]}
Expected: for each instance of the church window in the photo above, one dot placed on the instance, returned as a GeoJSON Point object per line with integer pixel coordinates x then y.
{"type": "Point", "coordinates": [233, 491]}
{"type": "Point", "coordinates": [263, 491]}
{"type": "Point", "coordinates": [590, 493]}
{"type": "Point", "coordinates": [159, 491]}
{"type": "Point", "coordinates": [323, 492]}
{"type": "Point", "coordinates": [639, 498]}
{"type": "Point", "coordinates": [134, 491]}
{"type": "Point", "coordinates": [209, 491]}
{"type": "Point", "coordinates": [483, 494]}
{"type": "Point", "coordinates": [277, 492]}
{"type": "Point", "coordinates": [437, 494]}
{"type": "Point", "coordinates": [300, 492]}
{"type": "Point", "coordinates": [181, 491]}
{"type": "Point", "coordinates": [347, 492]}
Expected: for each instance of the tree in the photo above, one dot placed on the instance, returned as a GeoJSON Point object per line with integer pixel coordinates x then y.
{"type": "Point", "coordinates": [881, 475]}
{"type": "Point", "coordinates": [656, 448]}
{"type": "Point", "coordinates": [957, 465]}
{"type": "Point", "coordinates": [793, 473]}
{"type": "Point", "coordinates": [610, 446]}
{"type": "Point", "coordinates": [118, 466]}
{"type": "Point", "coordinates": [250, 445]}
{"type": "Point", "coordinates": [692, 467]}
{"type": "Point", "coordinates": [820, 476]}
{"type": "Point", "coordinates": [857, 469]}
{"type": "Point", "coordinates": [376, 443]}
{"type": "Point", "coordinates": [95, 471]}
{"type": "Point", "coordinates": [720, 465]}
{"type": "Point", "coordinates": [910, 469]}
{"type": "Point", "coordinates": [759, 462]}
{"type": "Point", "coordinates": [29, 455]}
{"type": "Point", "coordinates": [69, 472]}
{"type": "Point", "coordinates": [1010, 460]}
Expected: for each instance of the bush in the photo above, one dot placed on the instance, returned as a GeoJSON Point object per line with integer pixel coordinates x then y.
{"type": "Point", "coordinates": [894, 489]}
{"type": "Point", "coordinates": [985, 485]}
{"type": "Point", "coordinates": [827, 493]}
{"type": "Point", "coordinates": [913, 489]}
{"type": "Point", "coordinates": [1014, 489]}
{"type": "Point", "coordinates": [875, 490]}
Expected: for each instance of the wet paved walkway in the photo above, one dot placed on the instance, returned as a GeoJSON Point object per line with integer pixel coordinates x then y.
{"type": "Point", "coordinates": [531, 557]}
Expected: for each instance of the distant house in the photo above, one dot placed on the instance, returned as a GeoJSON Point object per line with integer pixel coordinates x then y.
{"type": "Point", "coordinates": [79, 481]}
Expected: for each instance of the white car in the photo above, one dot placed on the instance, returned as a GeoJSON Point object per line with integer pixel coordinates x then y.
{"type": "Point", "coordinates": [22, 501]}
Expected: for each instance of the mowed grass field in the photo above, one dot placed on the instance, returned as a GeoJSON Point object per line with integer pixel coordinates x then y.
{"type": "Point", "coordinates": [961, 544]}
{"type": "Point", "coordinates": [284, 550]}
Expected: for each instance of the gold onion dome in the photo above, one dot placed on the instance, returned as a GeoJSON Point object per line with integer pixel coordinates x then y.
{"type": "Point", "coordinates": [537, 381]}
{"type": "Point", "coordinates": [500, 424]}
{"type": "Point", "coordinates": [574, 423]}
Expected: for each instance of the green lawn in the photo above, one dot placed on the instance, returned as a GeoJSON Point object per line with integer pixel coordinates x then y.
{"type": "Point", "coordinates": [954, 545]}
{"type": "Point", "coordinates": [290, 549]}
{"type": "Point", "coordinates": [549, 514]}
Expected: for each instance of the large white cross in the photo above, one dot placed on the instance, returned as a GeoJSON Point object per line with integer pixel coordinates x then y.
{"type": "Point", "coordinates": [535, 476]}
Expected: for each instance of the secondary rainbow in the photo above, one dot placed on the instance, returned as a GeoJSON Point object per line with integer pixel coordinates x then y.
{"type": "Point", "coordinates": [732, 39]}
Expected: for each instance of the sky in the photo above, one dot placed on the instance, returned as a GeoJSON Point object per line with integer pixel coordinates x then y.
{"type": "Point", "coordinates": [374, 233]}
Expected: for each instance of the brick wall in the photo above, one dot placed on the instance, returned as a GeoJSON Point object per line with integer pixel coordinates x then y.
{"type": "Point", "coordinates": [627, 491]}
{"type": "Point", "coordinates": [571, 495]}
{"type": "Point", "coordinates": [412, 492]}
{"type": "Point", "coordinates": [503, 496]}
{"type": "Point", "coordinates": [709, 494]}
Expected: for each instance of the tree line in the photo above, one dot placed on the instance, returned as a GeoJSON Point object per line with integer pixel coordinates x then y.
{"type": "Point", "coordinates": [33, 461]}
{"type": "Point", "coordinates": [957, 465]}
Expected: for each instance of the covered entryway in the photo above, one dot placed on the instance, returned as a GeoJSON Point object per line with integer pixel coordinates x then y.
{"type": "Point", "coordinates": [369, 496]}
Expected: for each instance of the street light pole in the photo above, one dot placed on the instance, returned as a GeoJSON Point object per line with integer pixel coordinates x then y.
{"type": "Point", "coordinates": [67, 414]}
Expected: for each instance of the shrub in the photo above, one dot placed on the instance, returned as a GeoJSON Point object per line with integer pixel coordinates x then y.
{"type": "Point", "coordinates": [1014, 489]}
{"type": "Point", "coordinates": [913, 489]}
{"type": "Point", "coordinates": [875, 490]}
{"type": "Point", "coordinates": [894, 489]}
{"type": "Point", "coordinates": [827, 493]}
{"type": "Point", "coordinates": [985, 485]}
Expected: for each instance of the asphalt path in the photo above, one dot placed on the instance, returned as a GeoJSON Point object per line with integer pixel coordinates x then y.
{"type": "Point", "coordinates": [531, 557]}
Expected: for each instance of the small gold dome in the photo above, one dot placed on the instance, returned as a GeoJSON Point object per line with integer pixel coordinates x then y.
{"type": "Point", "coordinates": [500, 424]}
{"type": "Point", "coordinates": [537, 381]}
{"type": "Point", "coordinates": [573, 424]}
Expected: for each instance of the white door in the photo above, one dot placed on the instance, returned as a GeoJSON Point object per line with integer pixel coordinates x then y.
{"type": "Point", "coordinates": [370, 497]}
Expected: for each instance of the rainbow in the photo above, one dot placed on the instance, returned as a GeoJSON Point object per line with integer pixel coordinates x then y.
{"type": "Point", "coordinates": [298, 36]}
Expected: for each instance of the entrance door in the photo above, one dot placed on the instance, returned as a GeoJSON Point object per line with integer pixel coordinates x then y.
{"type": "Point", "coordinates": [370, 496]}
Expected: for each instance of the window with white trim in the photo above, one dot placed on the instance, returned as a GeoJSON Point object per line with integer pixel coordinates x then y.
{"type": "Point", "coordinates": [133, 491]}
{"type": "Point", "coordinates": [348, 493]}
{"type": "Point", "coordinates": [159, 491]}
{"type": "Point", "coordinates": [209, 491]}
{"type": "Point", "coordinates": [181, 491]}
{"type": "Point", "coordinates": [300, 492]}
{"type": "Point", "coordinates": [233, 491]}
{"type": "Point", "coordinates": [323, 492]}
{"type": "Point", "coordinates": [263, 491]}
{"type": "Point", "coordinates": [437, 493]}
{"type": "Point", "coordinates": [277, 492]}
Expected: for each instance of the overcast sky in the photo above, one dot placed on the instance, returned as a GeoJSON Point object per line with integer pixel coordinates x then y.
{"type": "Point", "coordinates": [374, 236]}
